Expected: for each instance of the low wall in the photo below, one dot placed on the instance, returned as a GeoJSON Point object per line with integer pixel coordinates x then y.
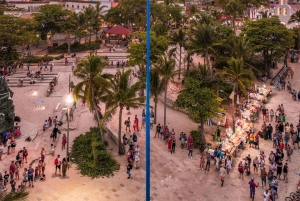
{"type": "Point", "coordinates": [110, 133]}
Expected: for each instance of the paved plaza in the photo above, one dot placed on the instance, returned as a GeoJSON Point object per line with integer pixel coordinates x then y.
{"type": "Point", "coordinates": [173, 176]}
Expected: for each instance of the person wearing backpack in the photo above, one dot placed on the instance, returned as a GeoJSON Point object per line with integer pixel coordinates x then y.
{"type": "Point", "coordinates": [128, 169]}
{"type": "Point", "coordinates": [127, 124]}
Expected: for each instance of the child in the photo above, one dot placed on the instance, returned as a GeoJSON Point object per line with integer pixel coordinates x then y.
{"type": "Point", "coordinates": [13, 185]}
{"type": "Point", "coordinates": [6, 176]}
{"type": "Point", "coordinates": [36, 173]}
{"type": "Point", "coordinates": [43, 177]}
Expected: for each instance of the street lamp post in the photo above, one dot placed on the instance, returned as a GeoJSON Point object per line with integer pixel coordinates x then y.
{"type": "Point", "coordinates": [69, 101]}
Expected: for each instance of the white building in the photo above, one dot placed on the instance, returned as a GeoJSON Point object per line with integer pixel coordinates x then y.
{"type": "Point", "coordinates": [76, 6]}
{"type": "Point", "coordinates": [284, 13]}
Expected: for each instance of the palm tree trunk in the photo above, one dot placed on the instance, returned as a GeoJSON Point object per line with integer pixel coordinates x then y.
{"type": "Point", "coordinates": [96, 109]}
{"type": "Point", "coordinates": [121, 150]}
{"type": "Point", "coordinates": [165, 105]}
{"type": "Point", "coordinates": [202, 130]}
{"type": "Point", "coordinates": [179, 62]}
{"type": "Point", "coordinates": [155, 109]}
{"type": "Point", "coordinates": [69, 46]}
{"type": "Point", "coordinates": [206, 58]}
{"type": "Point", "coordinates": [96, 35]}
{"type": "Point", "coordinates": [188, 65]}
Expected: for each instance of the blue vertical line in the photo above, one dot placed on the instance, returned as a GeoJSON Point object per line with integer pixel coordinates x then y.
{"type": "Point", "coordinates": [148, 163]}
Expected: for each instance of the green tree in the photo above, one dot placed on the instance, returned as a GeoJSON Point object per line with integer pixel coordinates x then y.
{"type": "Point", "coordinates": [202, 40]}
{"type": "Point", "coordinates": [295, 18]}
{"type": "Point", "coordinates": [200, 103]}
{"type": "Point", "coordinates": [193, 9]}
{"type": "Point", "coordinates": [122, 95]}
{"type": "Point", "coordinates": [52, 18]}
{"type": "Point", "coordinates": [90, 72]}
{"type": "Point", "coordinates": [165, 66]}
{"type": "Point", "coordinates": [160, 29]}
{"type": "Point", "coordinates": [268, 37]}
{"type": "Point", "coordinates": [15, 31]}
{"type": "Point", "coordinates": [91, 156]}
{"type": "Point", "coordinates": [235, 10]}
{"type": "Point", "coordinates": [239, 76]}
{"type": "Point", "coordinates": [179, 39]}
{"type": "Point", "coordinates": [80, 22]}
{"type": "Point", "coordinates": [157, 86]}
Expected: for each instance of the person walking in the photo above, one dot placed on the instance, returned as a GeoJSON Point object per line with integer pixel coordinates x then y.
{"type": "Point", "coordinates": [190, 148]}
{"type": "Point", "coordinates": [279, 168]}
{"type": "Point", "coordinates": [252, 188]}
{"type": "Point", "coordinates": [43, 154]}
{"type": "Point", "coordinates": [134, 139]}
{"type": "Point", "coordinates": [222, 174]}
{"type": "Point", "coordinates": [272, 114]}
{"type": "Point", "coordinates": [64, 167]}
{"type": "Point", "coordinates": [1, 150]}
{"type": "Point", "coordinates": [136, 123]}
{"type": "Point", "coordinates": [128, 169]}
{"type": "Point", "coordinates": [17, 170]}
{"type": "Point", "coordinates": [241, 169]}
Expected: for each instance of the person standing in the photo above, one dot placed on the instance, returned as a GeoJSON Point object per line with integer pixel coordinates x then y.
{"type": "Point", "coordinates": [190, 148]}
{"type": "Point", "coordinates": [158, 127]}
{"type": "Point", "coordinates": [136, 123]}
{"type": "Point", "coordinates": [289, 152]}
{"type": "Point", "coordinates": [173, 145]}
{"type": "Point", "coordinates": [252, 188]}
{"type": "Point", "coordinates": [127, 124]}
{"type": "Point", "coordinates": [30, 176]}
{"type": "Point", "coordinates": [25, 154]}
{"type": "Point", "coordinates": [12, 169]}
{"type": "Point", "coordinates": [263, 176]}
{"type": "Point", "coordinates": [241, 169]}
{"type": "Point", "coordinates": [151, 122]}
{"type": "Point", "coordinates": [285, 172]}
{"type": "Point", "coordinates": [266, 195]}
{"type": "Point", "coordinates": [222, 174]}
{"type": "Point", "coordinates": [57, 164]}
{"type": "Point", "coordinates": [279, 168]}
{"type": "Point", "coordinates": [202, 162]}
{"type": "Point", "coordinates": [128, 169]}
{"type": "Point", "coordinates": [43, 154]}
{"type": "Point", "coordinates": [64, 167]}
{"type": "Point", "coordinates": [134, 139]}
{"type": "Point", "coordinates": [272, 114]}
{"type": "Point", "coordinates": [64, 142]}
{"type": "Point", "coordinates": [208, 158]}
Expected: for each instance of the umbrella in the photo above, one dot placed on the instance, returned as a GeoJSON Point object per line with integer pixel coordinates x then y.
{"type": "Point", "coordinates": [118, 30]}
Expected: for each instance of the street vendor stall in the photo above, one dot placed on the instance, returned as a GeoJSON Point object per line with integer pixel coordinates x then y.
{"type": "Point", "coordinates": [233, 139]}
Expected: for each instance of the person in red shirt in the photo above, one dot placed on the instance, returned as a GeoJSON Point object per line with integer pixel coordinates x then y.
{"type": "Point", "coordinates": [136, 123]}
{"type": "Point", "coordinates": [252, 188]}
{"type": "Point", "coordinates": [50, 121]}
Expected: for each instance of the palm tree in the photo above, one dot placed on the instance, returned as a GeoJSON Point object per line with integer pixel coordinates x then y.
{"type": "Point", "coordinates": [179, 38]}
{"type": "Point", "coordinates": [235, 10]}
{"type": "Point", "coordinates": [98, 16]}
{"type": "Point", "coordinates": [122, 95]}
{"type": "Point", "coordinates": [165, 66]}
{"type": "Point", "coordinates": [295, 18]}
{"type": "Point", "coordinates": [193, 9]}
{"type": "Point", "coordinates": [202, 40]}
{"type": "Point", "coordinates": [157, 86]}
{"type": "Point", "coordinates": [89, 16]}
{"type": "Point", "coordinates": [14, 196]}
{"type": "Point", "coordinates": [92, 79]}
{"type": "Point", "coordinates": [239, 76]}
{"type": "Point", "coordinates": [239, 47]}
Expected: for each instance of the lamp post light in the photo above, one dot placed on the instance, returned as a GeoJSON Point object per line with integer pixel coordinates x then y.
{"type": "Point", "coordinates": [69, 102]}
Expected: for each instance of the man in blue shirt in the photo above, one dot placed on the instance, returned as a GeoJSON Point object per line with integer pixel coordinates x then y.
{"type": "Point", "coordinates": [30, 176]}
{"type": "Point", "coordinates": [134, 138]}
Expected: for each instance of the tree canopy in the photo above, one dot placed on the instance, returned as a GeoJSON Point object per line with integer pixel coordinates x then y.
{"type": "Point", "coordinates": [268, 37]}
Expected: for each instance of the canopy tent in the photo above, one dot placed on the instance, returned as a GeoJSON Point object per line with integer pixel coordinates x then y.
{"type": "Point", "coordinates": [118, 30]}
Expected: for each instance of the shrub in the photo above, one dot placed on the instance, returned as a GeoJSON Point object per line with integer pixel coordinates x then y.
{"type": "Point", "coordinates": [90, 154]}
{"type": "Point", "coordinates": [76, 47]}
{"type": "Point", "coordinates": [35, 59]}
{"type": "Point", "coordinates": [196, 134]}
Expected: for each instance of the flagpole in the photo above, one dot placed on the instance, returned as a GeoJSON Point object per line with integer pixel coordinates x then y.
{"type": "Point", "coordinates": [147, 139]}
